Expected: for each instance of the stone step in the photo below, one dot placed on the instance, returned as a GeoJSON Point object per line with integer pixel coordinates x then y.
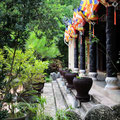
{"type": "Point", "coordinates": [70, 100]}
{"type": "Point", "coordinates": [103, 96]}
{"type": "Point", "coordinates": [86, 106]}
{"type": "Point", "coordinates": [67, 97]}
{"type": "Point", "coordinates": [50, 103]}
{"type": "Point", "coordinates": [96, 98]}
{"type": "Point", "coordinates": [58, 97]}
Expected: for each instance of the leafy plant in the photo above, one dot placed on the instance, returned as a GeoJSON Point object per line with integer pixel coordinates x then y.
{"type": "Point", "coordinates": [3, 114]}
{"type": "Point", "coordinates": [35, 110]}
{"type": "Point", "coordinates": [67, 114]}
{"type": "Point", "coordinates": [24, 68]}
{"type": "Point", "coordinates": [47, 79]}
{"type": "Point", "coordinates": [78, 77]}
{"type": "Point", "coordinates": [43, 47]}
{"type": "Point", "coordinates": [61, 115]}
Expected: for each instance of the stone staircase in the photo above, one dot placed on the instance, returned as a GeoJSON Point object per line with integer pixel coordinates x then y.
{"type": "Point", "coordinates": [70, 100]}
{"type": "Point", "coordinates": [59, 97]}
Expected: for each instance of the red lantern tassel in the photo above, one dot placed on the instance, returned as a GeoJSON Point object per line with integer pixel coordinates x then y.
{"type": "Point", "coordinates": [114, 16]}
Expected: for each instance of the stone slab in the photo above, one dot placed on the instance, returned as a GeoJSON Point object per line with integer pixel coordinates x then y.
{"type": "Point", "coordinates": [48, 94]}
{"type": "Point", "coordinates": [60, 104]}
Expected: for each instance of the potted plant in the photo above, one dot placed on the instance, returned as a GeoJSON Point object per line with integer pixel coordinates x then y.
{"type": "Point", "coordinates": [33, 74]}
{"type": "Point", "coordinates": [82, 86]}
{"type": "Point", "coordinates": [69, 77]}
{"type": "Point", "coordinates": [38, 83]}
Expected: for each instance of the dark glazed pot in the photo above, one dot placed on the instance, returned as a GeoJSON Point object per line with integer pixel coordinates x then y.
{"type": "Point", "coordinates": [64, 72]}
{"type": "Point", "coordinates": [60, 70]}
{"type": "Point", "coordinates": [69, 77]}
{"type": "Point", "coordinates": [82, 86]}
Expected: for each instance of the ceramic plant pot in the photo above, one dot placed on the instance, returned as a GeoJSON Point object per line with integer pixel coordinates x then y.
{"type": "Point", "coordinates": [82, 86]}
{"type": "Point", "coordinates": [38, 86]}
{"type": "Point", "coordinates": [63, 73]}
{"type": "Point", "coordinates": [69, 77]}
{"type": "Point", "coordinates": [60, 70]}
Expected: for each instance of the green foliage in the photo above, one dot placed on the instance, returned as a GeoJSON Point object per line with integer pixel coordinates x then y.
{"type": "Point", "coordinates": [47, 79]}
{"type": "Point", "coordinates": [15, 15]}
{"type": "Point", "coordinates": [26, 67]}
{"type": "Point", "coordinates": [78, 77]}
{"type": "Point", "coordinates": [45, 49]}
{"type": "Point", "coordinates": [61, 115]}
{"type": "Point", "coordinates": [67, 114]}
{"type": "Point", "coordinates": [3, 114]}
{"type": "Point", "coordinates": [19, 18]}
{"type": "Point", "coordinates": [35, 110]}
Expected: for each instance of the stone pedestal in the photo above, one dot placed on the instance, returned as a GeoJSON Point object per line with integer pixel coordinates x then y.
{"type": "Point", "coordinates": [93, 75]}
{"type": "Point", "coordinates": [111, 51]}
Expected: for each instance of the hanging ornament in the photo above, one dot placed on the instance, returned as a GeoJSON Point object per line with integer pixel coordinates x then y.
{"type": "Point", "coordinates": [115, 4]}
{"type": "Point", "coordinates": [93, 23]}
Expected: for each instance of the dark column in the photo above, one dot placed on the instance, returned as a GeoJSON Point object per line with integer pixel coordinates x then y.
{"type": "Point", "coordinates": [111, 50]}
{"type": "Point", "coordinates": [76, 54]}
{"type": "Point", "coordinates": [82, 53]}
{"type": "Point", "coordinates": [93, 65]}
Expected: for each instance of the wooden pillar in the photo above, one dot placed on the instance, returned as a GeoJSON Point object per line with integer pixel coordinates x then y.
{"type": "Point", "coordinates": [82, 53]}
{"type": "Point", "coordinates": [92, 64]}
{"type": "Point", "coordinates": [76, 54]}
{"type": "Point", "coordinates": [111, 50]}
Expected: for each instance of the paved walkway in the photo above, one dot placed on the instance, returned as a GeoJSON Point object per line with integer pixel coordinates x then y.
{"type": "Point", "coordinates": [48, 94]}
{"type": "Point", "coordinates": [55, 99]}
